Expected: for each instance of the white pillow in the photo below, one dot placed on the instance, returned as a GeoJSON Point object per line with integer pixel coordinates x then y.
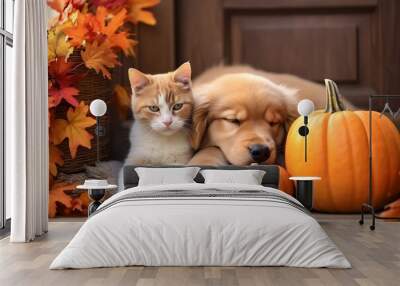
{"type": "Point", "coordinates": [248, 177]}
{"type": "Point", "coordinates": [166, 176]}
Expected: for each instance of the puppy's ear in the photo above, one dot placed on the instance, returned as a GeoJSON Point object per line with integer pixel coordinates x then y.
{"type": "Point", "coordinates": [200, 123]}
{"type": "Point", "coordinates": [183, 75]}
{"type": "Point", "coordinates": [291, 110]}
{"type": "Point", "coordinates": [138, 80]}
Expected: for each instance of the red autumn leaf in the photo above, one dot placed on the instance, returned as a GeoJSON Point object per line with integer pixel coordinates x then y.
{"type": "Point", "coordinates": [66, 93]}
{"type": "Point", "coordinates": [60, 73]}
{"type": "Point", "coordinates": [60, 84]}
{"type": "Point", "coordinates": [58, 5]}
{"type": "Point", "coordinates": [109, 4]}
{"type": "Point", "coordinates": [78, 4]}
{"type": "Point", "coordinates": [52, 102]}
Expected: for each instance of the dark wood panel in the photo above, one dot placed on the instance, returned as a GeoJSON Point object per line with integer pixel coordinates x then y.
{"type": "Point", "coordinates": [389, 42]}
{"type": "Point", "coordinates": [306, 50]}
{"type": "Point", "coordinates": [296, 4]}
{"type": "Point", "coordinates": [363, 53]}
{"type": "Point", "coordinates": [199, 30]}
{"type": "Point", "coordinates": [156, 50]}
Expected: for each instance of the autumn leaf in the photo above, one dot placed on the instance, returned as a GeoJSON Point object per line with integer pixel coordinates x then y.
{"type": "Point", "coordinates": [55, 158]}
{"type": "Point", "coordinates": [136, 13]}
{"type": "Point", "coordinates": [66, 93]}
{"type": "Point", "coordinates": [78, 4]}
{"type": "Point", "coordinates": [74, 128]}
{"type": "Point", "coordinates": [81, 203]}
{"type": "Point", "coordinates": [86, 29]}
{"type": "Point", "coordinates": [58, 46]}
{"type": "Point", "coordinates": [110, 26]}
{"type": "Point", "coordinates": [109, 4]}
{"type": "Point", "coordinates": [51, 102]}
{"type": "Point", "coordinates": [57, 195]}
{"type": "Point", "coordinates": [123, 101]}
{"type": "Point", "coordinates": [61, 73]}
{"type": "Point", "coordinates": [99, 57]}
{"type": "Point", "coordinates": [61, 81]}
{"type": "Point", "coordinates": [122, 41]}
{"type": "Point", "coordinates": [58, 5]}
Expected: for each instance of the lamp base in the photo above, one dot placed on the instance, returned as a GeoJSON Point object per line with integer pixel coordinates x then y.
{"type": "Point", "coordinates": [303, 131]}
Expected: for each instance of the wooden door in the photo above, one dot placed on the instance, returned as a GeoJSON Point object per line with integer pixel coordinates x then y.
{"type": "Point", "coordinates": [354, 42]}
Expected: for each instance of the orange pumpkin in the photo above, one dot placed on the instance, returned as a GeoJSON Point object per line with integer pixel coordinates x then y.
{"type": "Point", "coordinates": [338, 152]}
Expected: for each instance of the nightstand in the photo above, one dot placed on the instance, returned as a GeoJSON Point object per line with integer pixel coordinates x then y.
{"type": "Point", "coordinates": [304, 190]}
{"type": "Point", "coordinates": [96, 191]}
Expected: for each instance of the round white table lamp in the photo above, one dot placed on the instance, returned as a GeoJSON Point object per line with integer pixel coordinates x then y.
{"type": "Point", "coordinates": [305, 107]}
{"type": "Point", "coordinates": [98, 108]}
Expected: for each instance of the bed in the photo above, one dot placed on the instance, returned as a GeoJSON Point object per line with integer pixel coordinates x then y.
{"type": "Point", "coordinates": [197, 224]}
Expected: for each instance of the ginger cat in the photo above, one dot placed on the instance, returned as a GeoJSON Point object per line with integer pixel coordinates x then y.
{"type": "Point", "coordinates": [162, 106]}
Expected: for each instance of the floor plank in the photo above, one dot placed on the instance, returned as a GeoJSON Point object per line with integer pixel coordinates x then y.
{"type": "Point", "coordinates": [375, 257]}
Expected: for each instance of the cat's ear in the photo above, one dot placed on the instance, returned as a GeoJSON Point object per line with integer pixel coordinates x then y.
{"type": "Point", "coordinates": [183, 74]}
{"type": "Point", "coordinates": [137, 79]}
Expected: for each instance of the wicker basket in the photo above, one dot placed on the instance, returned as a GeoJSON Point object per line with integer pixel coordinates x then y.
{"type": "Point", "coordinates": [92, 86]}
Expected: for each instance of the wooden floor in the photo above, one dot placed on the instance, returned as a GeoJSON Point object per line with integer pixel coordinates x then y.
{"type": "Point", "coordinates": [375, 257]}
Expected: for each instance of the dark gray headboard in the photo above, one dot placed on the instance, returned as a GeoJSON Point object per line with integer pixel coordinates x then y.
{"type": "Point", "coordinates": [271, 177]}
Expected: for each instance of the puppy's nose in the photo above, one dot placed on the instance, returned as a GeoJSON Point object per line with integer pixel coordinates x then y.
{"type": "Point", "coordinates": [259, 152]}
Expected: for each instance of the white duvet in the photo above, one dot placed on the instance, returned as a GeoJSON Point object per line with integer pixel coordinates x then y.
{"type": "Point", "coordinates": [188, 231]}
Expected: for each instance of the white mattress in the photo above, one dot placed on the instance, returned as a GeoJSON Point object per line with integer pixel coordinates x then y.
{"type": "Point", "coordinates": [190, 230]}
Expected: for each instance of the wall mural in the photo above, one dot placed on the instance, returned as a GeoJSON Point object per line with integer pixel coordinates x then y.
{"type": "Point", "coordinates": [227, 115]}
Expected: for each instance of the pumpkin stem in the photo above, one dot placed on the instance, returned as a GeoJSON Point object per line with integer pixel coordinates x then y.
{"type": "Point", "coordinates": [333, 97]}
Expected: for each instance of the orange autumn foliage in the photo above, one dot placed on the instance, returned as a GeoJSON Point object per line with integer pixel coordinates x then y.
{"type": "Point", "coordinates": [55, 158]}
{"type": "Point", "coordinates": [99, 57]}
{"type": "Point", "coordinates": [137, 13]}
{"type": "Point", "coordinates": [57, 195]}
{"type": "Point", "coordinates": [74, 128]}
{"type": "Point", "coordinates": [109, 25]}
{"type": "Point", "coordinates": [81, 203]}
{"type": "Point", "coordinates": [99, 30]}
{"type": "Point", "coordinates": [58, 5]}
{"type": "Point", "coordinates": [86, 28]}
{"type": "Point", "coordinates": [123, 101]}
{"type": "Point", "coordinates": [122, 41]}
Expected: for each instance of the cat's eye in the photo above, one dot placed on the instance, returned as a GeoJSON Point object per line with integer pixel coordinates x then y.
{"type": "Point", "coordinates": [234, 121]}
{"type": "Point", "coordinates": [154, 108]}
{"type": "Point", "coordinates": [177, 106]}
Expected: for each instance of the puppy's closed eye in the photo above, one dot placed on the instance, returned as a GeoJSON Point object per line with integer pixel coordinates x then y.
{"type": "Point", "coordinates": [274, 124]}
{"type": "Point", "coordinates": [233, 120]}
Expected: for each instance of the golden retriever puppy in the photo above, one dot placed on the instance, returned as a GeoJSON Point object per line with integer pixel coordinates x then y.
{"type": "Point", "coordinates": [242, 116]}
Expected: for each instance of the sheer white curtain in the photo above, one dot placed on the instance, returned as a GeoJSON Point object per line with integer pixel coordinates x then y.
{"type": "Point", "coordinates": [26, 124]}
